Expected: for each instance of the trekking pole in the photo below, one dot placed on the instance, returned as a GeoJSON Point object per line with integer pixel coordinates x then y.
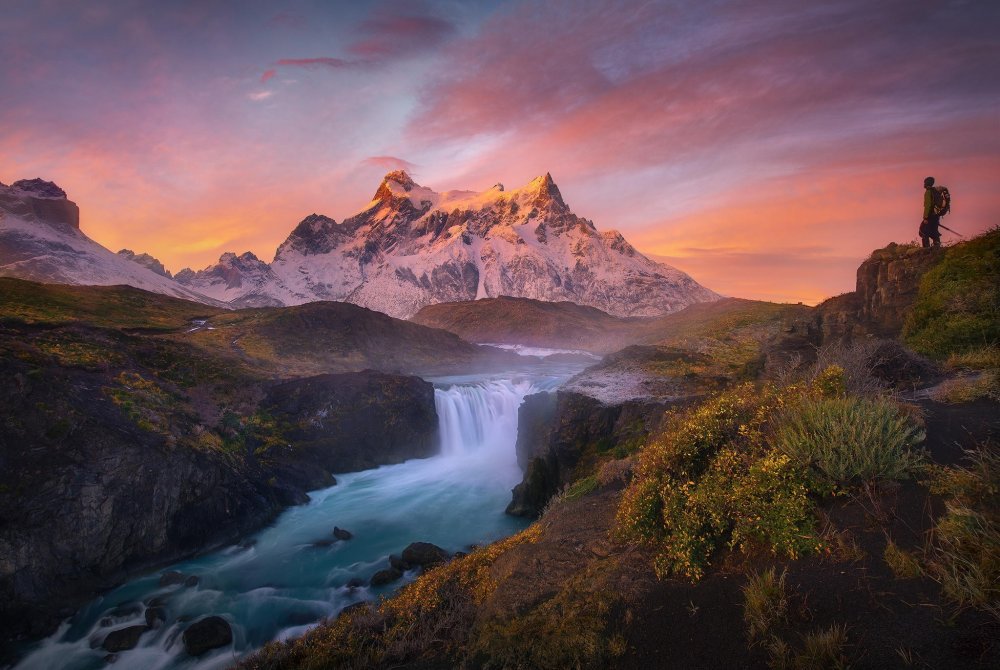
{"type": "Point", "coordinates": [950, 230]}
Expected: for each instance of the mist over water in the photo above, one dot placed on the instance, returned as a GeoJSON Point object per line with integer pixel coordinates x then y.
{"type": "Point", "coordinates": [285, 578]}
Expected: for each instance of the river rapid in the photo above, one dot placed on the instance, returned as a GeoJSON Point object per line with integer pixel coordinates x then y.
{"type": "Point", "coordinates": [279, 582]}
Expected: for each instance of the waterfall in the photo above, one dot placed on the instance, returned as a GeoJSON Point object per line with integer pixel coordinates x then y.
{"type": "Point", "coordinates": [452, 500]}
{"type": "Point", "coordinates": [480, 418]}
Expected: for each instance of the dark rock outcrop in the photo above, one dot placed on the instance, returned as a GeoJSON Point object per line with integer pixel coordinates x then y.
{"type": "Point", "coordinates": [342, 534]}
{"type": "Point", "coordinates": [424, 554]}
{"type": "Point", "coordinates": [123, 639]}
{"type": "Point", "coordinates": [89, 497]}
{"type": "Point", "coordinates": [207, 634]}
{"type": "Point", "coordinates": [352, 421]}
{"type": "Point", "coordinates": [387, 576]}
{"type": "Point", "coordinates": [146, 261]}
{"type": "Point", "coordinates": [41, 201]}
{"type": "Point", "coordinates": [887, 285]}
{"type": "Point", "coordinates": [155, 615]}
{"type": "Point", "coordinates": [561, 433]}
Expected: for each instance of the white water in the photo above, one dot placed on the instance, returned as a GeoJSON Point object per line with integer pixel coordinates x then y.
{"type": "Point", "coordinates": [282, 584]}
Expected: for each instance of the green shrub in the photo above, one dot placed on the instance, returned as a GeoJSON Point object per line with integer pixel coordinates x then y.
{"type": "Point", "coordinates": [958, 304]}
{"type": "Point", "coordinates": [850, 439]}
{"type": "Point", "coordinates": [710, 481]}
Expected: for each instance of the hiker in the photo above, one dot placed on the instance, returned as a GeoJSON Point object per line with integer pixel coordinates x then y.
{"type": "Point", "coordinates": [929, 226]}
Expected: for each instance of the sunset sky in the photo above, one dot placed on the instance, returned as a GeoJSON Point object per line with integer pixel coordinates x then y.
{"type": "Point", "coordinates": [765, 147]}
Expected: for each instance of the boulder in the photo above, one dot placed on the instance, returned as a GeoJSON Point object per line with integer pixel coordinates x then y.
{"type": "Point", "coordinates": [424, 554]}
{"type": "Point", "coordinates": [155, 616]}
{"type": "Point", "coordinates": [172, 578]}
{"type": "Point", "coordinates": [387, 576]}
{"type": "Point", "coordinates": [342, 534]}
{"type": "Point", "coordinates": [192, 580]}
{"type": "Point", "coordinates": [123, 639]}
{"type": "Point", "coordinates": [355, 583]}
{"type": "Point", "coordinates": [207, 634]}
{"type": "Point", "coordinates": [398, 563]}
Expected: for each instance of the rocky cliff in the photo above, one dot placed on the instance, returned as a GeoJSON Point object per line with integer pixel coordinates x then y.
{"type": "Point", "coordinates": [887, 285]}
{"type": "Point", "coordinates": [349, 422]}
{"type": "Point", "coordinates": [119, 452]}
{"type": "Point", "coordinates": [562, 435]}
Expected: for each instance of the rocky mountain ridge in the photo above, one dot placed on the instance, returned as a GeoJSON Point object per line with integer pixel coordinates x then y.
{"type": "Point", "coordinates": [412, 246]}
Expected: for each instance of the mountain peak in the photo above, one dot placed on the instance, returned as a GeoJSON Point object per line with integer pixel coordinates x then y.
{"type": "Point", "coordinates": [39, 188]}
{"type": "Point", "coordinates": [401, 178]}
{"type": "Point", "coordinates": [547, 191]}
{"type": "Point", "coordinates": [146, 261]}
{"type": "Point", "coordinates": [40, 201]}
{"type": "Point", "coordinates": [394, 184]}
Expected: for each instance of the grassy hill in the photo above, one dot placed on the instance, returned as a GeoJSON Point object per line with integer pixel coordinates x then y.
{"type": "Point", "coordinates": [536, 323]}
{"type": "Point", "coordinates": [315, 338]}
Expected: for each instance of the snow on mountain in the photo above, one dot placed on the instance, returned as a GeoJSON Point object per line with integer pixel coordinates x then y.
{"type": "Point", "coordinates": [241, 281]}
{"type": "Point", "coordinates": [41, 240]}
{"type": "Point", "coordinates": [146, 261]}
{"type": "Point", "coordinates": [412, 246]}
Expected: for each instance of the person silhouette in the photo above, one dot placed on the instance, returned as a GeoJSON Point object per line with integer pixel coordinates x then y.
{"type": "Point", "coordinates": [929, 231]}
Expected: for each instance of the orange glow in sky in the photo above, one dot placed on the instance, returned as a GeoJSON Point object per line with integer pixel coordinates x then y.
{"type": "Point", "coordinates": [764, 147]}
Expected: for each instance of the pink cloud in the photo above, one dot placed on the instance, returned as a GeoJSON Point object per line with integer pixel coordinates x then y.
{"type": "Point", "coordinates": [389, 163]}
{"type": "Point", "coordinates": [267, 76]}
{"type": "Point", "coordinates": [311, 63]}
{"type": "Point", "coordinates": [389, 35]}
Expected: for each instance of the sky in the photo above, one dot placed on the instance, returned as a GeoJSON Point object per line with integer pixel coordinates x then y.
{"type": "Point", "coordinates": [763, 146]}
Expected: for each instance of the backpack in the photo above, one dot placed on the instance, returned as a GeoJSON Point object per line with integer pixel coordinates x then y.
{"type": "Point", "coordinates": [940, 200]}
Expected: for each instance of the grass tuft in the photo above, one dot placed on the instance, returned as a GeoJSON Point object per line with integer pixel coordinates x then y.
{"type": "Point", "coordinates": [902, 563]}
{"type": "Point", "coordinates": [819, 650]}
{"type": "Point", "coordinates": [968, 388]}
{"type": "Point", "coordinates": [965, 555]}
{"type": "Point", "coordinates": [765, 602]}
{"type": "Point", "coordinates": [851, 439]}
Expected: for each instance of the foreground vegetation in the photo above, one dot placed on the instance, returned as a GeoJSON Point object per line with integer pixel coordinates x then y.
{"type": "Point", "coordinates": [957, 309]}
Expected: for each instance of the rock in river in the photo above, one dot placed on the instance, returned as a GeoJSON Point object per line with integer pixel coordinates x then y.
{"type": "Point", "coordinates": [424, 554]}
{"type": "Point", "coordinates": [123, 638]}
{"type": "Point", "coordinates": [387, 576]}
{"type": "Point", "coordinates": [207, 634]}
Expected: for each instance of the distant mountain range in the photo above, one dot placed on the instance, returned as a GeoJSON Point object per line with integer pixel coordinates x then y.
{"type": "Point", "coordinates": [41, 240]}
{"type": "Point", "coordinates": [410, 247]}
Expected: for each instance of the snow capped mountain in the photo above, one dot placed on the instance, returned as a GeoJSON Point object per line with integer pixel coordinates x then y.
{"type": "Point", "coordinates": [412, 246]}
{"type": "Point", "coordinates": [41, 240]}
{"type": "Point", "coordinates": [241, 281]}
{"type": "Point", "coordinates": [146, 261]}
